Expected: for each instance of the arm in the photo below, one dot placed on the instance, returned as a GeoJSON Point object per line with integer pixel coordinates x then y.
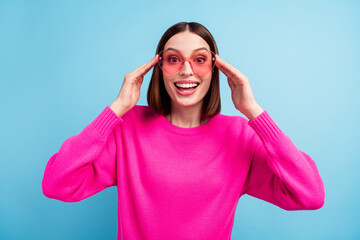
{"type": "Point", "coordinates": [85, 163]}
{"type": "Point", "coordinates": [280, 173]}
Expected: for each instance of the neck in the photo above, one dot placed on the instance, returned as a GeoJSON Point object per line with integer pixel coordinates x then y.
{"type": "Point", "coordinates": [186, 117]}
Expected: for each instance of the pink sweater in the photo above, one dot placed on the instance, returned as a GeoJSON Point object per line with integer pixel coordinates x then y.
{"type": "Point", "coordinates": [182, 183]}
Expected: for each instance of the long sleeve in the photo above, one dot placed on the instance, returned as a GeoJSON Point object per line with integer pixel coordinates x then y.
{"type": "Point", "coordinates": [279, 172]}
{"type": "Point", "coordinates": [85, 163]}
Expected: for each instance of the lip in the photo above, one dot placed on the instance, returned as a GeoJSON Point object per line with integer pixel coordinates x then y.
{"type": "Point", "coordinates": [186, 81]}
{"type": "Point", "coordinates": [187, 93]}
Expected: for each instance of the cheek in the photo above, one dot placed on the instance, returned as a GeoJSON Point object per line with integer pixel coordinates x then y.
{"type": "Point", "coordinates": [207, 82]}
{"type": "Point", "coordinates": [167, 82]}
{"type": "Point", "coordinates": [167, 78]}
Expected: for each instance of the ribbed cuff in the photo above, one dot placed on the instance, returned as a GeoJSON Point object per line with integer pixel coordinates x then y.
{"type": "Point", "coordinates": [265, 127]}
{"type": "Point", "coordinates": [106, 121]}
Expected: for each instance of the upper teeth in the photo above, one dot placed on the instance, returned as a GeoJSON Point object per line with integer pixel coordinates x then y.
{"type": "Point", "coordinates": [186, 85]}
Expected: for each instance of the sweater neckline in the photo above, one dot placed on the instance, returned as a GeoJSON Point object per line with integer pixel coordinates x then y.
{"type": "Point", "coordinates": [206, 127]}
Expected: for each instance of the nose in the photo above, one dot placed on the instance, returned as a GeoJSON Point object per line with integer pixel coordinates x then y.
{"type": "Point", "coordinates": [186, 69]}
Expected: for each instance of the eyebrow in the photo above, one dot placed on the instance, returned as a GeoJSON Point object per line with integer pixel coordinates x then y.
{"type": "Point", "coordinates": [195, 50]}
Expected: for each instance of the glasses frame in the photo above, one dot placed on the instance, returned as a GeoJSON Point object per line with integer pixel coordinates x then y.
{"type": "Point", "coordinates": [160, 60]}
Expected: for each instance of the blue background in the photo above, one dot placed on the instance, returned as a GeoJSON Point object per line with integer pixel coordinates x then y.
{"type": "Point", "coordinates": [62, 62]}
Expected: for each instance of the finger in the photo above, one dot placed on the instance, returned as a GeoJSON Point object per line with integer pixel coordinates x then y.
{"type": "Point", "coordinates": [143, 69]}
{"type": "Point", "coordinates": [227, 69]}
{"type": "Point", "coordinates": [138, 74]}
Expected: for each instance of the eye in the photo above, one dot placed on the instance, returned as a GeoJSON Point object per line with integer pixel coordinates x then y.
{"type": "Point", "coordinates": [173, 59]}
{"type": "Point", "coordinates": [200, 59]}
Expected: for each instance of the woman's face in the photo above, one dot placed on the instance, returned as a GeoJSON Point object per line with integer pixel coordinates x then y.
{"type": "Point", "coordinates": [186, 43]}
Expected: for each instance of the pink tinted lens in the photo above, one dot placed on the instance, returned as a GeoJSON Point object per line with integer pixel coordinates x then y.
{"type": "Point", "coordinates": [201, 62]}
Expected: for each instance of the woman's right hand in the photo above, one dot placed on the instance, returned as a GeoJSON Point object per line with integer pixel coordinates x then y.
{"type": "Point", "coordinates": [130, 90]}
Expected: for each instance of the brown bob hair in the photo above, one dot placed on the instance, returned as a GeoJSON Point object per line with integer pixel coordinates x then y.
{"type": "Point", "coordinates": [157, 97]}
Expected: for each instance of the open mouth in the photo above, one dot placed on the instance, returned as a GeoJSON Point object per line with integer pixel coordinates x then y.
{"type": "Point", "coordinates": [186, 86]}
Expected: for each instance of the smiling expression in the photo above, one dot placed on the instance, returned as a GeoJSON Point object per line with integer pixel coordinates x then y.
{"type": "Point", "coordinates": [186, 88]}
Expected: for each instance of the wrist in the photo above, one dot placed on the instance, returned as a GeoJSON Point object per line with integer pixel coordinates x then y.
{"type": "Point", "coordinates": [117, 108]}
{"type": "Point", "coordinates": [254, 111]}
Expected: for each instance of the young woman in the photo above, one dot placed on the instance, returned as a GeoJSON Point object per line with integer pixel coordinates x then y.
{"type": "Point", "coordinates": [179, 165]}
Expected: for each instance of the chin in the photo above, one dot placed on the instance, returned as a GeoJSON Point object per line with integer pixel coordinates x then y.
{"type": "Point", "coordinates": [186, 101]}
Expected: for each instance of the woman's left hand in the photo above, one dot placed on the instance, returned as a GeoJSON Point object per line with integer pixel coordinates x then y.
{"type": "Point", "coordinates": [241, 92]}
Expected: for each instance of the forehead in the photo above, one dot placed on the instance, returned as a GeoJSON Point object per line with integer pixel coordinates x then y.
{"type": "Point", "coordinates": [186, 42]}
